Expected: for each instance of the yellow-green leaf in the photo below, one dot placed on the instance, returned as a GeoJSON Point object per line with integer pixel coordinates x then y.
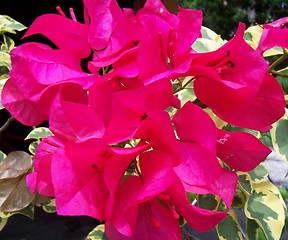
{"type": "Point", "coordinates": [8, 24]}
{"type": "Point", "coordinates": [279, 136]}
{"type": "Point", "coordinates": [50, 207]}
{"type": "Point", "coordinates": [3, 222]}
{"type": "Point", "coordinates": [266, 206]}
{"type": "Point", "coordinates": [97, 233]}
{"type": "Point", "coordinates": [39, 133]}
{"type": "Point", "coordinates": [32, 147]}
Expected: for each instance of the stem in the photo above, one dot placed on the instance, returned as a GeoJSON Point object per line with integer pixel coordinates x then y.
{"type": "Point", "coordinates": [6, 125]}
{"type": "Point", "coordinates": [184, 86]}
{"type": "Point", "coordinates": [278, 61]}
{"type": "Point", "coordinates": [279, 73]}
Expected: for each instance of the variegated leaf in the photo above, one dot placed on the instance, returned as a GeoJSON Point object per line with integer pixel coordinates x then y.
{"type": "Point", "coordinates": [3, 222]}
{"type": "Point", "coordinates": [39, 133]}
{"type": "Point", "coordinates": [258, 174]}
{"type": "Point", "coordinates": [239, 198]}
{"type": "Point", "coordinates": [27, 211]}
{"type": "Point", "coordinates": [32, 147]}
{"type": "Point", "coordinates": [251, 229]}
{"type": "Point", "coordinates": [8, 44]}
{"type": "Point", "coordinates": [97, 233]}
{"type": "Point", "coordinates": [229, 228]}
{"type": "Point", "coordinates": [8, 24]}
{"type": "Point", "coordinates": [50, 207]}
{"type": "Point", "coordinates": [279, 134]}
{"type": "Point", "coordinates": [266, 206]}
{"type": "Point", "coordinates": [245, 182]}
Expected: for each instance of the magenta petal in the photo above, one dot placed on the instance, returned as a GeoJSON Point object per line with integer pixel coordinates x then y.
{"type": "Point", "coordinates": [274, 34]}
{"type": "Point", "coordinates": [77, 175]}
{"type": "Point", "coordinates": [75, 121]}
{"type": "Point", "coordinates": [146, 229]}
{"type": "Point", "coordinates": [224, 187]}
{"type": "Point", "coordinates": [266, 108]}
{"type": "Point", "coordinates": [188, 31]}
{"type": "Point", "coordinates": [194, 125]}
{"type": "Point", "coordinates": [65, 33]}
{"type": "Point", "coordinates": [156, 179]}
{"type": "Point", "coordinates": [198, 218]}
{"type": "Point", "coordinates": [115, 169]}
{"type": "Point", "coordinates": [240, 150]}
{"type": "Point", "coordinates": [40, 180]}
{"type": "Point", "coordinates": [124, 219]}
{"type": "Point", "coordinates": [196, 160]}
{"type": "Point", "coordinates": [46, 65]}
{"type": "Point", "coordinates": [19, 106]}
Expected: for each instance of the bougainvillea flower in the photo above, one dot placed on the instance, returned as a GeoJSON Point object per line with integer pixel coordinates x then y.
{"type": "Point", "coordinates": [275, 34]}
{"type": "Point", "coordinates": [157, 130]}
{"type": "Point", "coordinates": [78, 168]}
{"type": "Point", "coordinates": [240, 150]}
{"type": "Point", "coordinates": [36, 76]}
{"type": "Point", "coordinates": [197, 135]}
{"type": "Point", "coordinates": [198, 218]}
{"type": "Point", "coordinates": [67, 123]}
{"type": "Point", "coordinates": [137, 209]}
{"type": "Point", "coordinates": [240, 85]}
{"type": "Point", "coordinates": [131, 107]}
{"type": "Point", "coordinates": [169, 37]}
{"type": "Point", "coordinates": [65, 33]}
{"type": "Point", "coordinates": [40, 180]}
{"type": "Point", "coordinates": [113, 32]}
{"type": "Point", "coordinates": [147, 220]}
{"type": "Point", "coordinates": [95, 170]}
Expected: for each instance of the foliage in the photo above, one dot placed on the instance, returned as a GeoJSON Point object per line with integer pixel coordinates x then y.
{"type": "Point", "coordinates": [249, 12]}
{"type": "Point", "coordinates": [160, 129]}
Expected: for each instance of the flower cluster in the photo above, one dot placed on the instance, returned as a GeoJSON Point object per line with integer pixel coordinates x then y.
{"type": "Point", "coordinates": [125, 149]}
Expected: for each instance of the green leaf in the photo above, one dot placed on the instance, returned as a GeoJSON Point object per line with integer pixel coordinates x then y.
{"type": "Point", "coordinates": [266, 206]}
{"type": "Point", "coordinates": [2, 156]}
{"type": "Point", "coordinates": [239, 199]}
{"type": "Point", "coordinates": [39, 133]}
{"type": "Point", "coordinates": [208, 201]}
{"type": "Point", "coordinates": [231, 128]}
{"type": "Point", "coordinates": [229, 228]}
{"type": "Point", "coordinates": [283, 80]}
{"type": "Point", "coordinates": [97, 233]}
{"type": "Point", "coordinates": [279, 134]}
{"type": "Point", "coordinates": [251, 229]}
